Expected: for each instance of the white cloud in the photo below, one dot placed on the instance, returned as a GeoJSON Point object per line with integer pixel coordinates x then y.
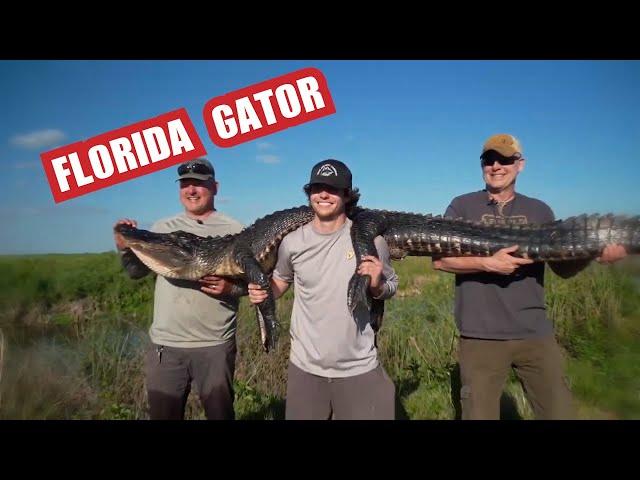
{"type": "Point", "coordinates": [223, 199]}
{"type": "Point", "coordinates": [268, 159]}
{"type": "Point", "coordinates": [38, 139]}
{"type": "Point", "coordinates": [23, 165]}
{"type": "Point", "coordinates": [262, 146]}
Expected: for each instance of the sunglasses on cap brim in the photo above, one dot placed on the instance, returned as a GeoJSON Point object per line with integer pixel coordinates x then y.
{"type": "Point", "coordinates": [194, 168]}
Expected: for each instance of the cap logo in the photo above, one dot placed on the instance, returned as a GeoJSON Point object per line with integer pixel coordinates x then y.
{"type": "Point", "coordinates": [327, 170]}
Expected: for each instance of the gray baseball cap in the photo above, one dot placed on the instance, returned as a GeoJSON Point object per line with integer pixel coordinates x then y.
{"type": "Point", "coordinates": [198, 168]}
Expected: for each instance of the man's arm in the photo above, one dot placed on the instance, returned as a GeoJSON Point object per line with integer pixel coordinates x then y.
{"type": "Point", "coordinates": [384, 280]}
{"type": "Point", "coordinates": [131, 263]}
{"type": "Point", "coordinates": [501, 262]}
{"type": "Point", "coordinates": [222, 286]}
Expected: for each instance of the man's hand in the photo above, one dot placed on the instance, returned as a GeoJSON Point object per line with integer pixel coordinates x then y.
{"type": "Point", "coordinates": [612, 253]}
{"type": "Point", "coordinates": [121, 243]}
{"type": "Point", "coordinates": [257, 294]}
{"type": "Point", "coordinates": [372, 266]}
{"type": "Point", "coordinates": [503, 263]}
{"type": "Point", "coordinates": [215, 286]}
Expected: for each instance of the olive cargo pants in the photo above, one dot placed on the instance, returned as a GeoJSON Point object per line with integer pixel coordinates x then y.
{"type": "Point", "coordinates": [538, 364]}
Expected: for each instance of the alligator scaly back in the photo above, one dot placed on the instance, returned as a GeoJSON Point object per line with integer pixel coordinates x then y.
{"type": "Point", "coordinates": [256, 250]}
{"type": "Point", "coordinates": [265, 234]}
{"type": "Point", "coordinates": [580, 237]}
{"type": "Point", "coordinates": [414, 234]}
{"type": "Point", "coordinates": [251, 254]}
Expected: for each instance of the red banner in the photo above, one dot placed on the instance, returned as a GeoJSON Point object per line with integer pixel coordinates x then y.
{"type": "Point", "coordinates": [268, 107]}
{"type": "Point", "coordinates": [121, 155]}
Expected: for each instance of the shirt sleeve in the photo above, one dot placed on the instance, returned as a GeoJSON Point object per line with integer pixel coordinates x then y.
{"type": "Point", "coordinates": [547, 215]}
{"type": "Point", "coordinates": [284, 268]}
{"type": "Point", "coordinates": [453, 210]}
{"type": "Point", "coordinates": [239, 227]}
{"type": "Point", "coordinates": [389, 275]}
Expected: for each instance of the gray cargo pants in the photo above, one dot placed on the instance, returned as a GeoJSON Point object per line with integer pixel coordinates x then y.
{"type": "Point", "coordinates": [169, 372]}
{"type": "Point", "coordinates": [370, 396]}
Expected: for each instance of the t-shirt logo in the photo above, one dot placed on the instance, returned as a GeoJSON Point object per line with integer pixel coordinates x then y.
{"type": "Point", "coordinates": [350, 254]}
{"type": "Point", "coordinates": [327, 170]}
{"type": "Point", "coordinates": [490, 219]}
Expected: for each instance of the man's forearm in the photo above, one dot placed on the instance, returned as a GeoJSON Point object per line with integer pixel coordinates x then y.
{"type": "Point", "coordinates": [132, 264]}
{"type": "Point", "coordinates": [279, 287]}
{"type": "Point", "coordinates": [460, 265]}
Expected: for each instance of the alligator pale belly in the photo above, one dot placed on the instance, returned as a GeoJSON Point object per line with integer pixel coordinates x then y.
{"type": "Point", "coordinates": [228, 267]}
{"type": "Point", "coordinates": [158, 266]}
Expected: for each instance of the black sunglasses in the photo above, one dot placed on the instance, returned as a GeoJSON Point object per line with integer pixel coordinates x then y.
{"type": "Point", "coordinates": [194, 168]}
{"type": "Point", "coordinates": [489, 161]}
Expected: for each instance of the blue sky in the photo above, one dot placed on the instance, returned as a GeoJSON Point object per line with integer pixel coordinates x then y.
{"type": "Point", "coordinates": [411, 131]}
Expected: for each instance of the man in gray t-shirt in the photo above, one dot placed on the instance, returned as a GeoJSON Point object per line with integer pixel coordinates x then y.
{"type": "Point", "coordinates": [334, 370]}
{"type": "Point", "coordinates": [499, 300]}
{"type": "Point", "coordinates": [194, 323]}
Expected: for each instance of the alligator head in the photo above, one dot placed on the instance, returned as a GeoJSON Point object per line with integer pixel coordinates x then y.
{"type": "Point", "coordinates": [176, 255]}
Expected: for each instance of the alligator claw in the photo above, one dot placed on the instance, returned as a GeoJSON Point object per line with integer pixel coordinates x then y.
{"type": "Point", "coordinates": [377, 313]}
{"type": "Point", "coordinates": [358, 293]}
{"type": "Point", "coordinates": [269, 330]}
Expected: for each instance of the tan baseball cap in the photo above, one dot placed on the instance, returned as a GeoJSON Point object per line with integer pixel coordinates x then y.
{"type": "Point", "coordinates": [505, 144]}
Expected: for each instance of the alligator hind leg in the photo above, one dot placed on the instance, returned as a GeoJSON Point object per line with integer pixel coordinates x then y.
{"type": "Point", "coordinates": [266, 311]}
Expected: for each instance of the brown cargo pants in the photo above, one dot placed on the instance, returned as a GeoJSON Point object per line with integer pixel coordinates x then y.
{"type": "Point", "coordinates": [538, 363]}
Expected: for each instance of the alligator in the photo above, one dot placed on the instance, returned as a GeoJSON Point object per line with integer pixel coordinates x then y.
{"type": "Point", "coordinates": [250, 256]}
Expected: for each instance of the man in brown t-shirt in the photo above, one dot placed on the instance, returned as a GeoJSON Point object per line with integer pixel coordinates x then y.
{"type": "Point", "coordinates": [499, 300]}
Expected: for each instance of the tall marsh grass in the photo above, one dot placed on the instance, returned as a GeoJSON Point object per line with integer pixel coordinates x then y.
{"type": "Point", "coordinates": [73, 336]}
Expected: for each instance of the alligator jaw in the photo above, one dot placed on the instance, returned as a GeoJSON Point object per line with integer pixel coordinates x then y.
{"type": "Point", "coordinates": [168, 255]}
{"type": "Point", "coordinates": [166, 261]}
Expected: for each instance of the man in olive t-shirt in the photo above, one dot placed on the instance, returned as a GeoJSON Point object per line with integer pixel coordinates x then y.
{"type": "Point", "coordinates": [194, 323]}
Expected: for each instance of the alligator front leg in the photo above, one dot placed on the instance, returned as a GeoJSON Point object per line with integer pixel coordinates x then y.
{"type": "Point", "coordinates": [366, 226]}
{"type": "Point", "coordinates": [266, 311]}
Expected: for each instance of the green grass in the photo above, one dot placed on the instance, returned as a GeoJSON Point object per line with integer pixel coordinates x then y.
{"type": "Point", "coordinates": [73, 335]}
